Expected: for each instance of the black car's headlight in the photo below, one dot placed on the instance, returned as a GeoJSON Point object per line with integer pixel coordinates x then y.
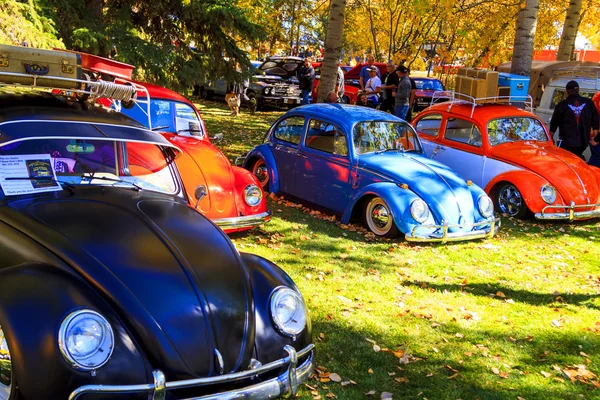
{"type": "Point", "coordinates": [288, 311]}
{"type": "Point", "coordinates": [86, 340]}
{"type": "Point", "coordinates": [486, 206]}
{"type": "Point", "coordinates": [252, 195]}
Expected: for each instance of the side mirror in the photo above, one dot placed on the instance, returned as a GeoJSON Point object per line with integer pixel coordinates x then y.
{"type": "Point", "coordinates": [217, 138]}
{"type": "Point", "coordinates": [199, 193]}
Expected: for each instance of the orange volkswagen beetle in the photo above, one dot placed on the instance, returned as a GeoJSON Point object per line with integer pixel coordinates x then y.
{"type": "Point", "coordinates": [508, 151]}
{"type": "Point", "coordinates": [230, 196]}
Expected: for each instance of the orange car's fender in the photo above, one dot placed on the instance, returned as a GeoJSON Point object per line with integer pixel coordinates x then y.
{"type": "Point", "coordinates": [243, 178]}
{"type": "Point", "coordinates": [528, 183]}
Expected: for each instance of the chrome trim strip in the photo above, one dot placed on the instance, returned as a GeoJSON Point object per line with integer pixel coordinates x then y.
{"type": "Point", "coordinates": [569, 212]}
{"type": "Point", "coordinates": [269, 389]}
{"type": "Point", "coordinates": [455, 236]}
{"type": "Point", "coordinates": [246, 221]}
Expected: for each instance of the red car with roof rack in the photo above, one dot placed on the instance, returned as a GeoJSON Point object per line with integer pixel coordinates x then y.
{"type": "Point", "coordinates": [232, 197]}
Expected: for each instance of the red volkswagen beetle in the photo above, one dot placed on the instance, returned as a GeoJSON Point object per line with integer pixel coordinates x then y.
{"type": "Point", "coordinates": [230, 196]}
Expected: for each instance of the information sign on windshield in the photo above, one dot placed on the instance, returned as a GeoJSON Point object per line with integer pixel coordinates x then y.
{"type": "Point", "coordinates": [24, 174]}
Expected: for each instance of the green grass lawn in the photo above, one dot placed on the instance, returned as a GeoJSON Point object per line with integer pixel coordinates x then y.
{"type": "Point", "coordinates": [515, 317]}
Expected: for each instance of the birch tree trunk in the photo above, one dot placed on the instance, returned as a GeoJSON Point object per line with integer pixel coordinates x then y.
{"type": "Point", "coordinates": [524, 37]}
{"type": "Point", "coordinates": [333, 48]}
{"type": "Point", "coordinates": [569, 33]}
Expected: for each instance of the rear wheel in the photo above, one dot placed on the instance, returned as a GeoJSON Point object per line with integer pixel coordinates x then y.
{"type": "Point", "coordinates": [7, 387]}
{"type": "Point", "coordinates": [379, 219]}
{"type": "Point", "coordinates": [508, 200]}
{"type": "Point", "coordinates": [202, 93]}
{"type": "Point", "coordinates": [252, 102]}
{"type": "Point", "coordinates": [261, 172]}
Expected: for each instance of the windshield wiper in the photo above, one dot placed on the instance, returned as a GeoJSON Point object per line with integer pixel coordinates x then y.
{"type": "Point", "coordinates": [158, 128]}
{"type": "Point", "coordinates": [383, 151]}
{"type": "Point", "coordinates": [106, 178]}
{"type": "Point", "coordinates": [38, 179]}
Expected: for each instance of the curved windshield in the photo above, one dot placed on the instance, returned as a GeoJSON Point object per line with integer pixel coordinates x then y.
{"type": "Point", "coordinates": [428, 84]}
{"type": "Point", "coordinates": [512, 129]}
{"type": "Point", "coordinates": [380, 136]}
{"type": "Point", "coordinates": [167, 116]}
{"type": "Point", "coordinates": [42, 165]}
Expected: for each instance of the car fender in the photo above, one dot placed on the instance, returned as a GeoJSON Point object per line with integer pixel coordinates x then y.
{"type": "Point", "coordinates": [266, 276]}
{"type": "Point", "coordinates": [244, 178]}
{"type": "Point", "coordinates": [263, 151]}
{"type": "Point", "coordinates": [528, 183]}
{"type": "Point", "coordinates": [34, 300]}
{"type": "Point", "coordinates": [397, 199]}
{"type": "Point", "coordinates": [477, 192]}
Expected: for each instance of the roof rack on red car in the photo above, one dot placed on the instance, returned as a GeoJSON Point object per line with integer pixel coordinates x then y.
{"type": "Point", "coordinates": [454, 98]}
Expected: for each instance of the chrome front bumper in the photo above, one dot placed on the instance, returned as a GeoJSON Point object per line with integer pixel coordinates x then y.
{"type": "Point", "coordinates": [569, 212]}
{"type": "Point", "coordinates": [445, 236]}
{"type": "Point", "coordinates": [247, 221]}
{"type": "Point", "coordinates": [285, 384]}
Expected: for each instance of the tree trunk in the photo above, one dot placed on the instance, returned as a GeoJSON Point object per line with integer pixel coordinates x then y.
{"type": "Point", "coordinates": [95, 7]}
{"type": "Point", "coordinates": [333, 48]}
{"type": "Point", "coordinates": [524, 38]}
{"type": "Point", "coordinates": [569, 33]}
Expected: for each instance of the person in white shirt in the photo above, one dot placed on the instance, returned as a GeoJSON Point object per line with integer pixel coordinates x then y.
{"type": "Point", "coordinates": [373, 86]}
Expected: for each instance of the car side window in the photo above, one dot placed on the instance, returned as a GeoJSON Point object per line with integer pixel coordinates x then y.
{"type": "Point", "coordinates": [290, 129]}
{"type": "Point", "coordinates": [326, 137]}
{"type": "Point", "coordinates": [462, 131]}
{"type": "Point", "coordinates": [429, 125]}
{"type": "Point", "coordinates": [561, 94]}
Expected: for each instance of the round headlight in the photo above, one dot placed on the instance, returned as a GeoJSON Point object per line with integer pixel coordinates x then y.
{"type": "Point", "coordinates": [268, 90]}
{"type": "Point", "coordinates": [252, 195]}
{"type": "Point", "coordinates": [486, 206]}
{"type": "Point", "coordinates": [419, 211]}
{"type": "Point", "coordinates": [86, 340]}
{"type": "Point", "coordinates": [288, 311]}
{"type": "Point", "coordinates": [548, 193]}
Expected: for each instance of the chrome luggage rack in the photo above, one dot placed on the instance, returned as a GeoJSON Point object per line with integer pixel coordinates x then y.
{"type": "Point", "coordinates": [120, 94]}
{"type": "Point", "coordinates": [454, 98]}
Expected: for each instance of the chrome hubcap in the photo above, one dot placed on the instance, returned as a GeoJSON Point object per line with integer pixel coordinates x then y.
{"type": "Point", "coordinates": [261, 173]}
{"type": "Point", "coordinates": [510, 200]}
{"type": "Point", "coordinates": [380, 216]}
{"type": "Point", "coordinates": [5, 368]}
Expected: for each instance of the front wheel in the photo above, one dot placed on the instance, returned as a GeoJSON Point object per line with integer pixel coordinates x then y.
{"type": "Point", "coordinates": [252, 102]}
{"type": "Point", "coordinates": [8, 389]}
{"type": "Point", "coordinates": [508, 200]}
{"type": "Point", "coordinates": [379, 219]}
{"type": "Point", "coordinates": [261, 172]}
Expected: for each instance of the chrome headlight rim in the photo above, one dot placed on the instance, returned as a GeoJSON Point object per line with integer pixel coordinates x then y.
{"type": "Point", "coordinates": [287, 330]}
{"type": "Point", "coordinates": [252, 191]}
{"type": "Point", "coordinates": [422, 216]}
{"type": "Point", "coordinates": [488, 211]}
{"type": "Point", "coordinates": [550, 197]}
{"type": "Point", "coordinates": [107, 342]}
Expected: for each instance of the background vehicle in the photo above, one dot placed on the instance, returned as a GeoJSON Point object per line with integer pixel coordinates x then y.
{"type": "Point", "coordinates": [353, 75]}
{"type": "Point", "coordinates": [508, 151]}
{"type": "Point", "coordinates": [424, 93]}
{"type": "Point", "coordinates": [133, 293]}
{"type": "Point", "coordinates": [368, 165]}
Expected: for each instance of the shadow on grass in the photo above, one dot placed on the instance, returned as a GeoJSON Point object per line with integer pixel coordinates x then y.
{"type": "Point", "coordinates": [461, 369]}
{"type": "Point", "coordinates": [523, 296]}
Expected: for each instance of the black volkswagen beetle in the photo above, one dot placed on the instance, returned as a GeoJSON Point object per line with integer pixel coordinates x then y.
{"type": "Point", "coordinates": [112, 286]}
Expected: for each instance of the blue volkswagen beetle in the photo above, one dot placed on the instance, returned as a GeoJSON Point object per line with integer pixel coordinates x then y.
{"type": "Point", "coordinates": [369, 165]}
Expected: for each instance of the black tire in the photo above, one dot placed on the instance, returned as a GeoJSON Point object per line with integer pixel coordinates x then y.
{"type": "Point", "coordinates": [8, 387]}
{"type": "Point", "coordinates": [203, 93]}
{"type": "Point", "coordinates": [509, 200]}
{"type": "Point", "coordinates": [252, 102]}
{"type": "Point", "coordinates": [261, 172]}
{"type": "Point", "coordinates": [378, 218]}
{"type": "Point", "coordinates": [345, 99]}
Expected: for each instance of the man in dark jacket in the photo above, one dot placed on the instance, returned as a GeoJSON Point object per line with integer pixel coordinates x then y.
{"type": "Point", "coordinates": [577, 119]}
{"type": "Point", "coordinates": [306, 76]}
{"type": "Point", "coordinates": [389, 86]}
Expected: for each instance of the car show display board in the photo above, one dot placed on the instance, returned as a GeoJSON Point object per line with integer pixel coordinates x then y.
{"type": "Point", "coordinates": [24, 174]}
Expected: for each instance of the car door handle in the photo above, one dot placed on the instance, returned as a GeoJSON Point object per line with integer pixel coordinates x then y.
{"type": "Point", "coordinates": [300, 155]}
{"type": "Point", "coordinates": [436, 150]}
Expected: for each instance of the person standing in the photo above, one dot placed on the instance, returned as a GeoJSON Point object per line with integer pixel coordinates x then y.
{"type": "Point", "coordinates": [364, 72]}
{"type": "Point", "coordinates": [389, 86]}
{"type": "Point", "coordinates": [411, 100]}
{"type": "Point", "coordinates": [306, 76]}
{"type": "Point", "coordinates": [595, 141]}
{"type": "Point", "coordinates": [577, 119]}
{"type": "Point", "coordinates": [403, 93]}
{"type": "Point", "coordinates": [373, 86]}
{"type": "Point", "coordinates": [340, 81]}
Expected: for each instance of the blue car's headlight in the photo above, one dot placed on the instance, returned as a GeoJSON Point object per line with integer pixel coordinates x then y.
{"type": "Point", "coordinates": [288, 311]}
{"type": "Point", "coordinates": [252, 195]}
{"type": "Point", "coordinates": [86, 340]}
{"type": "Point", "coordinates": [486, 206]}
{"type": "Point", "coordinates": [548, 193]}
{"type": "Point", "coordinates": [419, 210]}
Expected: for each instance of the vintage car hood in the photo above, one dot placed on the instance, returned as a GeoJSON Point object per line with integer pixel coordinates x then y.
{"type": "Point", "coordinates": [172, 276]}
{"type": "Point", "coordinates": [204, 164]}
{"type": "Point", "coordinates": [569, 174]}
{"type": "Point", "coordinates": [268, 78]}
{"type": "Point", "coordinates": [446, 193]}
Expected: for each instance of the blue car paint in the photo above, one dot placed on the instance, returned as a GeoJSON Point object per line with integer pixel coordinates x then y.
{"type": "Point", "coordinates": [448, 196]}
